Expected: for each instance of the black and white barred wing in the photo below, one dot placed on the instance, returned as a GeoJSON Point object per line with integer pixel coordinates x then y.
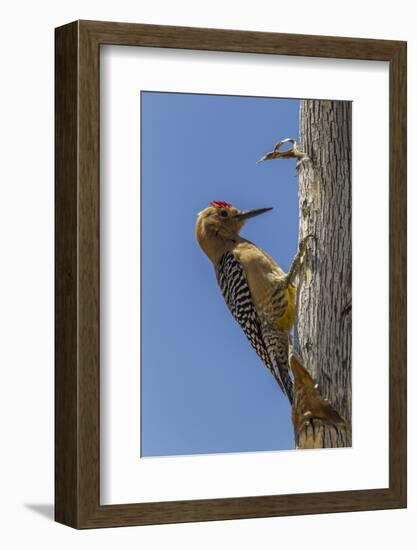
{"type": "Point", "coordinates": [233, 284]}
{"type": "Point", "coordinates": [277, 343]}
{"type": "Point", "coordinates": [235, 289]}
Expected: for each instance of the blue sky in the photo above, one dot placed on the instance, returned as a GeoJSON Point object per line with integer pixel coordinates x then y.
{"type": "Point", "coordinates": [204, 389]}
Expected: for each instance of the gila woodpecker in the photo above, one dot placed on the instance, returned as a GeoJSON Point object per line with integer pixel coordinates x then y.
{"type": "Point", "coordinates": [259, 294]}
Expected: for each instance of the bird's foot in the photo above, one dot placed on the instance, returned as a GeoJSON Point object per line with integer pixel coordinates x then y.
{"type": "Point", "coordinates": [303, 243]}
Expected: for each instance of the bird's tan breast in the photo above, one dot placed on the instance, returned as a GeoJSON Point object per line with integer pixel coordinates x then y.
{"type": "Point", "coordinates": [262, 272]}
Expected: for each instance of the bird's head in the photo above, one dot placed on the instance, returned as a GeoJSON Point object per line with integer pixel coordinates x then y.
{"type": "Point", "coordinates": [218, 226]}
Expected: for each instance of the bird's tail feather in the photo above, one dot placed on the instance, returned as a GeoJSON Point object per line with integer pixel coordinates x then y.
{"type": "Point", "coordinates": [277, 344]}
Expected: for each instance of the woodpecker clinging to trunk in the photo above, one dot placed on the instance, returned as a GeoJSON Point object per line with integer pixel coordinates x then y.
{"type": "Point", "coordinates": [259, 294]}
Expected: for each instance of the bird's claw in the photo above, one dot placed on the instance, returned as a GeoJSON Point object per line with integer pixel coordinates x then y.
{"type": "Point", "coordinates": [303, 243]}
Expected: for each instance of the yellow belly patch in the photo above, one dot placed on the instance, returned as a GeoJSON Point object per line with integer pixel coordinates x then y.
{"type": "Point", "coordinates": [286, 321]}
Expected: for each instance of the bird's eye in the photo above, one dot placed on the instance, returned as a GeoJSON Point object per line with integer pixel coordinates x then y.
{"type": "Point", "coordinates": [223, 213]}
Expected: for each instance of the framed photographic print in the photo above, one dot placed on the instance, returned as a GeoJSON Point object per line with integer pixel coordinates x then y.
{"type": "Point", "coordinates": [230, 274]}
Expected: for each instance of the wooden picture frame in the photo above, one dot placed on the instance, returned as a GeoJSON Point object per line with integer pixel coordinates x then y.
{"type": "Point", "coordinates": [77, 404]}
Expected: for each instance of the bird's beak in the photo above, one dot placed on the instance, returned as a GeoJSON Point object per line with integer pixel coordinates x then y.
{"type": "Point", "coordinates": [251, 213]}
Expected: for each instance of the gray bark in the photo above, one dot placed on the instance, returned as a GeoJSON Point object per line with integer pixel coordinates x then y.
{"type": "Point", "coordinates": [324, 303]}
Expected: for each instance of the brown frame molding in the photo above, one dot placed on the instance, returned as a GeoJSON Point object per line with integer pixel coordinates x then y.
{"type": "Point", "coordinates": [77, 361]}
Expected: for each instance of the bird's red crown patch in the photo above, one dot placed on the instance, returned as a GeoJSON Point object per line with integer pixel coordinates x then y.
{"type": "Point", "coordinates": [220, 204]}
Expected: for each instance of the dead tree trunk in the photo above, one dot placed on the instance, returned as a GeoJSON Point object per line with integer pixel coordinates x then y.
{"type": "Point", "coordinates": [324, 304]}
